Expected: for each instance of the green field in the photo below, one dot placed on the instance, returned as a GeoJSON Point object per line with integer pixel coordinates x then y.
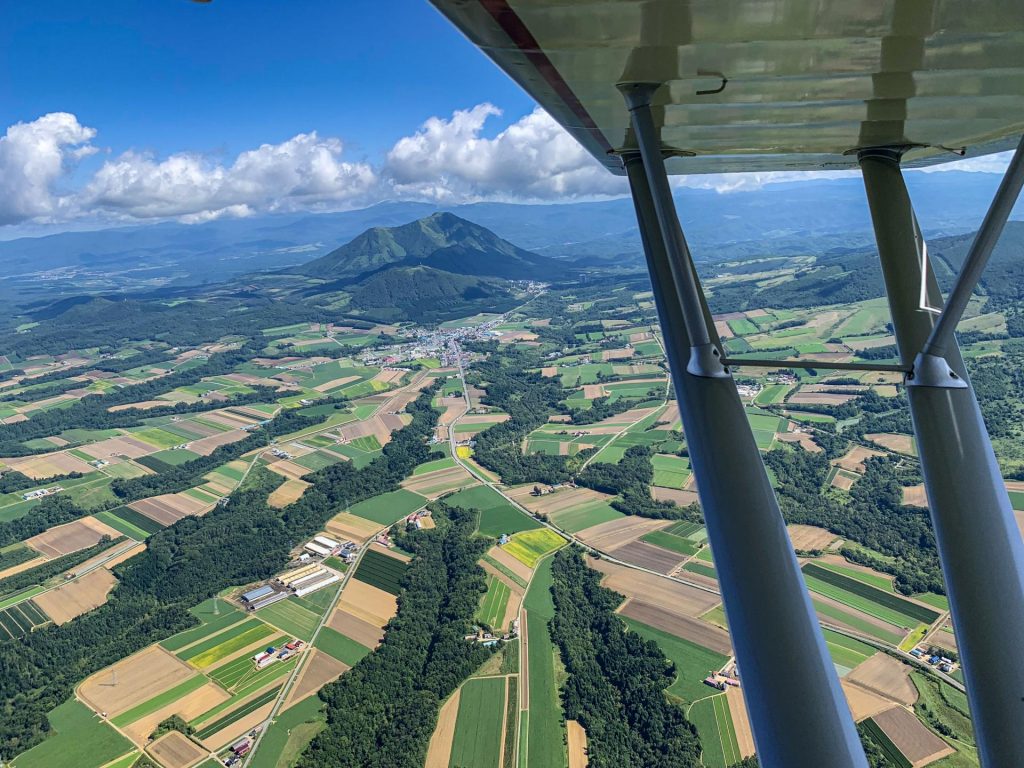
{"type": "Point", "coordinates": [716, 730]}
{"type": "Point", "coordinates": [79, 740]}
{"type": "Point", "coordinates": [18, 597]}
{"type": "Point", "coordinates": [389, 508]}
{"type": "Point", "coordinates": [238, 714]}
{"type": "Point", "coordinates": [772, 394]}
{"type": "Point", "coordinates": [1017, 499]}
{"type": "Point", "coordinates": [160, 701]}
{"type": "Point", "coordinates": [592, 513]}
{"type": "Point", "coordinates": [284, 740]}
{"type": "Point", "coordinates": [342, 648]}
{"type": "Point", "coordinates": [543, 745]}
{"type": "Point", "coordinates": [477, 741]}
{"type": "Point", "coordinates": [135, 519]}
{"type": "Point", "coordinates": [845, 651]}
{"type": "Point", "coordinates": [228, 616]}
{"type": "Point", "coordinates": [434, 466]}
{"type": "Point", "coordinates": [530, 546]}
{"type": "Point", "coordinates": [18, 620]}
{"type": "Point", "coordinates": [497, 516]}
{"type": "Point", "coordinates": [692, 661]}
{"type": "Point", "coordinates": [493, 603]}
{"type": "Point", "coordinates": [856, 622]}
{"type": "Point", "coordinates": [289, 616]}
{"type": "Point", "coordinates": [381, 571]}
{"type": "Point", "coordinates": [742, 327]}
{"type": "Point", "coordinates": [703, 570]}
{"type": "Point", "coordinates": [670, 542]}
{"type": "Point", "coordinates": [670, 471]}
{"type": "Point", "coordinates": [885, 601]}
{"type": "Point", "coordinates": [220, 646]}
{"type": "Point", "coordinates": [877, 580]}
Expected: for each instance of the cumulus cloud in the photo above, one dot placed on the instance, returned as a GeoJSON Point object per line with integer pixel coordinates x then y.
{"type": "Point", "coordinates": [534, 159]}
{"type": "Point", "coordinates": [34, 158]}
{"type": "Point", "coordinates": [303, 173]}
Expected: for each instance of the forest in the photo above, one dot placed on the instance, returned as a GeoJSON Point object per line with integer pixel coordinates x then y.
{"type": "Point", "coordinates": [631, 479]}
{"type": "Point", "coordinates": [616, 679]}
{"type": "Point", "coordinates": [382, 713]}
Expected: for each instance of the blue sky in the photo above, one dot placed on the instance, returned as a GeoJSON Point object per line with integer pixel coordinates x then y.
{"type": "Point", "coordinates": [171, 75]}
{"type": "Point", "coordinates": [133, 111]}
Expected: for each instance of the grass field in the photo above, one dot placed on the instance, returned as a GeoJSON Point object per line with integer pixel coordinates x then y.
{"type": "Point", "coordinates": [80, 740]}
{"type": "Point", "coordinates": [845, 651]}
{"type": "Point", "coordinates": [220, 646]}
{"type": "Point", "coordinates": [742, 327]}
{"type": "Point", "coordinates": [885, 600]}
{"type": "Point", "coordinates": [158, 702]}
{"type": "Point", "coordinates": [876, 580]}
{"type": "Point", "coordinates": [692, 661]}
{"type": "Point", "coordinates": [586, 515]}
{"type": "Point", "coordinates": [717, 733]}
{"type": "Point", "coordinates": [389, 508]}
{"type": "Point", "coordinates": [290, 616]}
{"type": "Point", "coordinates": [671, 542]}
{"type": "Point", "coordinates": [703, 570]}
{"type": "Point", "coordinates": [291, 731]}
{"type": "Point", "coordinates": [497, 516]}
{"type": "Point", "coordinates": [544, 742]}
{"type": "Point", "coordinates": [342, 648]}
{"type": "Point", "coordinates": [477, 741]}
{"type": "Point", "coordinates": [493, 603]}
{"type": "Point", "coordinates": [379, 570]}
{"type": "Point", "coordinates": [857, 623]}
{"type": "Point", "coordinates": [670, 471]}
{"type": "Point", "coordinates": [773, 393]}
{"type": "Point", "coordinates": [434, 466]}
{"type": "Point", "coordinates": [530, 546]}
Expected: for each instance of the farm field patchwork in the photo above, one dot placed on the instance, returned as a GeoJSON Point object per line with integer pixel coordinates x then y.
{"type": "Point", "coordinates": [692, 661]}
{"type": "Point", "coordinates": [493, 603]}
{"type": "Point", "coordinates": [159, 701]}
{"type": "Point", "coordinates": [543, 734]}
{"type": "Point", "coordinates": [237, 714]}
{"type": "Point", "coordinates": [497, 516]}
{"type": "Point", "coordinates": [80, 740]}
{"type": "Point", "coordinates": [587, 515]}
{"type": "Point", "coordinates": [717, 733]}
{"type": "Point", "coordinates": [19, 619]}
{"type": "Point", "coordinates": [670, 471]}
{"type": "Point", "coordinates": [665, 540]}
{"type": "Point", "coordinates": [340, 647]}
{"type": "Point", "coordinates": [222, 645]}
{"type": "Point", "coordinates": [847, 652]}
{"type": "Point", "coordinates": [290, 616]}
{"type": "Point", "coordinates": [872, 601]}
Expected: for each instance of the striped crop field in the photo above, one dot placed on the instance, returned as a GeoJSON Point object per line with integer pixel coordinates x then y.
{"type": "Point", "coordinates": [492, 606]}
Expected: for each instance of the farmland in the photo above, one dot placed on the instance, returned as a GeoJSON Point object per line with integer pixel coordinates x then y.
{"type": "Point", "coordinates": [381, 571]}
{"type": "Point", "coordinates": [291, 616]}
{"type": "Point", "coordinates": [388, 508]}
{"type": "Point", "coordinates": [80, 740]}
{"type": "Point", "coordinates": [222, 645]}
{"type": "Point", "coordinates": [717, 733]}
{"type": "Point", "coordinates": [497, 516]}
{"type": "Point", "coordinates": [478, 730]}
{"type": "Point", "coordinates": [863, 597]}
{"type": "Point", "coordinates": [492, 604]}
{"type": "Point", "coordinates": [340, 647]}
{"type": "Point", "coordinates": [692, 661]}
{"type": "Point", "coordinates": [530, 546]}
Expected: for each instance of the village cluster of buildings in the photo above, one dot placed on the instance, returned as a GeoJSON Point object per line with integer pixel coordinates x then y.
{"type": "Point", "coordinates": [39, 493]}
{"type": "Point", "coordinates": [931, 656]}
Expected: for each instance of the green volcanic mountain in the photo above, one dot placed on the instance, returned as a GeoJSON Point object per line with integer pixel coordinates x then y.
{"type": "Point", "coordinates": [440, 241]}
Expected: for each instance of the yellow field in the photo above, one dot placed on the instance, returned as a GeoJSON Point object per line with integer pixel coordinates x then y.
{"type": "Point", "coordinates": [530, 546]}
{"type": "Point", "coordinates": [464, 451]}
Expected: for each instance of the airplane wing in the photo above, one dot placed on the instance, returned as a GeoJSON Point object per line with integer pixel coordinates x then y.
{"type": "Point", "coordinates": [771, 85]}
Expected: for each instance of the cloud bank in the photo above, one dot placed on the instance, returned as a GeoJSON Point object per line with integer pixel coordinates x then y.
{"type": "Point", "coordinates": [447, 160]}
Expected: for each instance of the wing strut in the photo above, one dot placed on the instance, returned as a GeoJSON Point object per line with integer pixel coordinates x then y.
{"type": "Point", "coordinates": [979, 544]}
{"type": "Point", "coordinates": [799, 715]}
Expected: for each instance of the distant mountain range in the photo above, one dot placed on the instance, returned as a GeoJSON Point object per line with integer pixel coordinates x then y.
{"type": "Point", "coordinates": [807, 217]}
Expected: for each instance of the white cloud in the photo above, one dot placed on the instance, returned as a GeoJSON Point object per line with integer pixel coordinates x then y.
{"type": "Point", "coordinates": [303, 173]}
{"type": "Point", "coordinates": [995, 163]}
{"type": "Point", "coordinates": [34, 157]}
{"type": "Point", "coordinates": [534, 159]}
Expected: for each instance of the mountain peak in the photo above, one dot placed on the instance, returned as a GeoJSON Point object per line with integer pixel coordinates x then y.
{"type": "Point", "coordinates": [442, 241]}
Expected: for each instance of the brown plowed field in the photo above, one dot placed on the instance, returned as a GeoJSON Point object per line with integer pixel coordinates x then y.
{"type": "Point", "coordinates": [187, 707]}
{"type": "Point", "coordinates": [433, 484]}
{"type": "Point", "coordinates": [128, 446]}
{"type": "Point", "coordinates": [289, 469]}
{"type": "Point", "coordinates": [624, 353]}
{"type": "Point", "coordinates": [335, 383]}
{"type": "Point", "coordinates": [854, 460]}
{"type": "Point", "coordinates": [454, 407]}
{"type": "Point", "coordinates": [558, 501]}
{"type": "Point", "coordinates": [863, 703]}
{"type": "Point", "coordinates": [617, 533]}
{"type": "Point", "coordinates": [674, 597]}
{"type": "Point", "coordinates": [363, 632]}
{"type": "Point", "coordinates": [176, 750]}
{"type": "Point", "coordinates": [887, 677]}
{"type": "Point", "coordinates": [440, 750]}
{"type": "Point", "coordinates": [842, 482]}
{"type": "Point", "coordinates": [802, 439]}
{"type": "Point", "coordinates": [686, 627]}
{"type": "Point", "coordinates": [894, 442]}
{"type": "Point", "coordinates": [808, 537]}
{"type": "Point", "coordinates": [818, 398]}
{"type": "Point", "coordinates": [648, 556]}
{"type": "Point", "coordinates": [71, 537]}
{"type": "Point", "coordinates": [503, 557]}
{"type": "Point", "coordinates": [77, 597]}
{"type": "Point", "coordinates": [859, 344]}
{"type": "Point", "coordinates": [382, 550]}
{"type": "Point", "coordinates": [169, 508]}
{"type": "Point", "coordinates": [918, 744]}
{"type": "Point", "coordinates": [681, 497]}
{"type": "Point", "coordinates": [49, 464]}
{"type": "Point", "coordinates": [350, 527]}
{"type": "Point", "coordinates": [916, 496]}
{"type": "Point", "coordinates": [131, 681]}
{"type": "Point", "coordinates": [207, 445]}
{"type": "Point", "coordinates": [226, 419]}
{"type": "Point", "coordinates": [321, 669]}
{"type": "Point", "coordinates": [577, 744]}
{"type": "Point", "coordinates": [368, 603]}
{"type": "Point", "coordinates": [289, 491]}
{"type": "Point", "coordinates": [740, 721]}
